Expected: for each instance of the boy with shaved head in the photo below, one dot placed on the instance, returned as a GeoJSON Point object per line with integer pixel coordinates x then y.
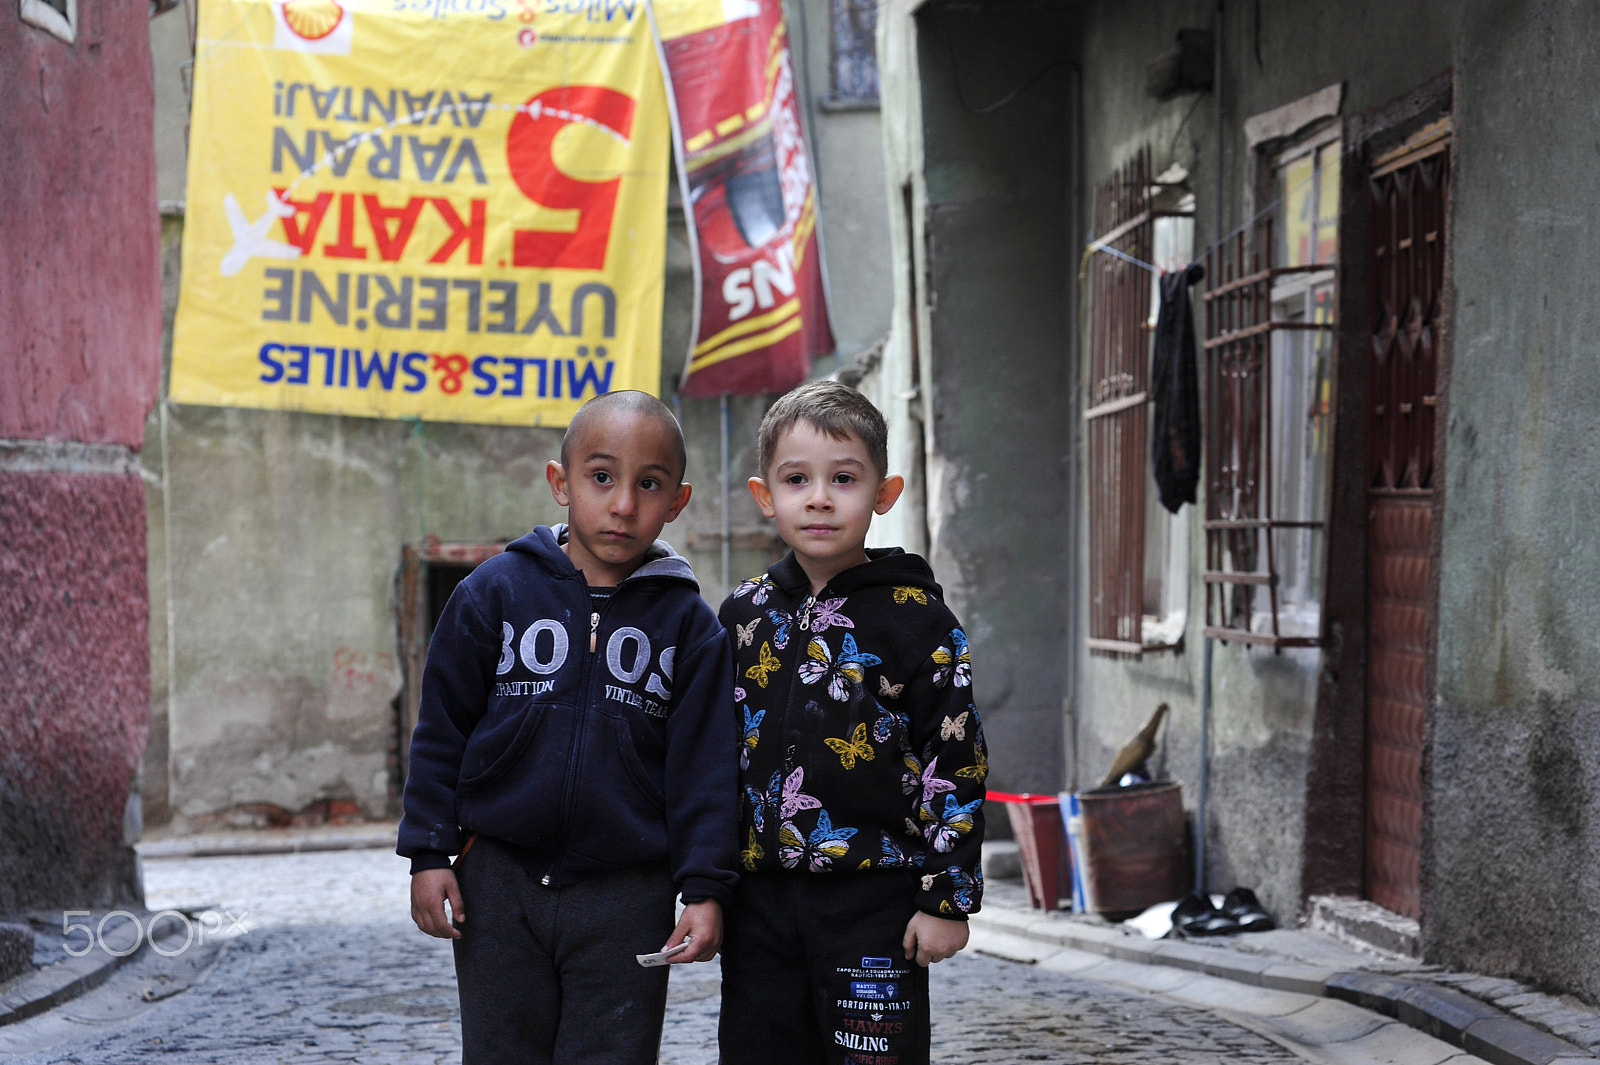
{"type": "Point", "coordinates": [576, 751]}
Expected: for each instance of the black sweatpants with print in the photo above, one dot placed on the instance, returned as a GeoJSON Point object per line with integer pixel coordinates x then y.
{"type": "Point", "coordinates": [549, 975]}
{"type": "Point", "coordinates": [814, 972]}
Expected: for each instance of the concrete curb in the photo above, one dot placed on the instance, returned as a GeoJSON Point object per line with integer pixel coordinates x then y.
{"type": "Point", "coordinates": [45, 988]}
{"type": "Point", "coordinates": [369, 836]}
{"type": "Point", "coordinates": [1448, 1015]}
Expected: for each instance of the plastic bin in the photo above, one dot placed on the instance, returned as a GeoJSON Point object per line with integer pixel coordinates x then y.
{"type": "Point", "coordinates": [1046, 868]}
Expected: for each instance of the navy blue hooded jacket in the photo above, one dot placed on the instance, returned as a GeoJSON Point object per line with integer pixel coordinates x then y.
{"type": "Point", "coordinates": [593, 740]}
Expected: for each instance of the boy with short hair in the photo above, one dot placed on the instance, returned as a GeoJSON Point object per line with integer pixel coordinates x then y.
{"type": "Point", "coordinates": [576, 748]}
{"type": "Point", "coordinates": [863, 761]}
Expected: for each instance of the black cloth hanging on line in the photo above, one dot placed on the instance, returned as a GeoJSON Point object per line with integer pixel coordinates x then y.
{"type": "Point", "coordinates": [1175, 388]}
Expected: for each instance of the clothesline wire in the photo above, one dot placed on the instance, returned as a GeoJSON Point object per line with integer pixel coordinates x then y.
{"type": "Point", "coordinates": [1095, 244]}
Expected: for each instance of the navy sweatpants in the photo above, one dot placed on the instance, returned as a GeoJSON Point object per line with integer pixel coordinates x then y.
{"type": "Point", "coordinates": [813, 972]}
{"type": "Point", "coordinates": [548, 975]}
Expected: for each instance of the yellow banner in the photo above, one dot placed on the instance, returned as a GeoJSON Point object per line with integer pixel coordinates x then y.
{"type": "Point", "coordinates": [452, 210]}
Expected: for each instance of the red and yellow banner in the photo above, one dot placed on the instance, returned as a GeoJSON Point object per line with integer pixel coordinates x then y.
{"type": "Point", "coordinates": [744, 168]}
{"type": "Point", "coordinates": [446, 209]}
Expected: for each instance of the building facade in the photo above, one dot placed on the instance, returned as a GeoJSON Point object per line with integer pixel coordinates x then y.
{"type": "Point", "coordinates": [1376, 610]}
{"type": "Point", "coordinates": [80, 324]}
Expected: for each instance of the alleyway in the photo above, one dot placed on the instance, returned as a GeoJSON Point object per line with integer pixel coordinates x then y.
{"type": "Point", "coordinates": [328, 968]}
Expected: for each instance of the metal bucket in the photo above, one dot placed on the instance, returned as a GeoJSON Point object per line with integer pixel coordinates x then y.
{"type": "Point", "coordinates": [1135, 846]}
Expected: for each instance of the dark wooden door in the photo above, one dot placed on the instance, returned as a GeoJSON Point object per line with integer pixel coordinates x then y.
{"type": "Point", "coordinates": [1408, 212]}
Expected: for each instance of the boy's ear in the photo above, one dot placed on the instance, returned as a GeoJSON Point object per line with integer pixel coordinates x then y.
{"type": "Point", "coordinates": [558, 482]}
{"type": "Point", "coordinates": [763, 496]}
{"type": "Point", "coordinates": [679, 501]}
{"type": "Point", "coordinates": [889, 490]}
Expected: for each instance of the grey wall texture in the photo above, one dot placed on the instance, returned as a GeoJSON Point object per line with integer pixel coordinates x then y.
{"type": "Point", "coordinates": [1513, 858]}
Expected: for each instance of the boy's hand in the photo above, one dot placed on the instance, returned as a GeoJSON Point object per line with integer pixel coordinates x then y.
{"type": "Point", "coordinates": [703, 921]}
{"type": "Point", "coordinates": [430, 889]}
{"type": "Point", "coordinates": [930, 939]}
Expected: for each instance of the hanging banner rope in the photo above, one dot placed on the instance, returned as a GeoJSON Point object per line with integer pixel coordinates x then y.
{"type": "Point", "coordinates": [750, 196]}
{"type": "Point", "coordinates": [452, 210]}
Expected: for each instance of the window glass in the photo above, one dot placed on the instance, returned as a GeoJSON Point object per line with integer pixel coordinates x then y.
{"type": "Point", "coordinates": [855, 50]}
{"type": "Point", "coordinates": [1307, 186]}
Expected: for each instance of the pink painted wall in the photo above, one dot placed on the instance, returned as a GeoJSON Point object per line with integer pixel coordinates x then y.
{"type": "Point", "coordinates": [80, 281]}
{"type": "Point", "coordinates": [74, 684]}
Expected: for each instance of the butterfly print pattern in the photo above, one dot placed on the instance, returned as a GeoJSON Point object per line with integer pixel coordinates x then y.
{"type": "Point", "coordinates": [954, 666]}
{"type": "Point", "coordinates": [947, 827]}
{"type": "Point", "coordinates": [817, 850]}
{"type": "Point", "coordinates": [765, 666]}
{"type": "Point", "coordinates": [824, 615]}
{"type": "Point", "coordinates": [784, 621]}
{"type": "Point", "coordinates": [757, 588]}
{"type": "Point", "coordinates": [839, 673]}
{"type": "Point", "coordinates": [851, 749]}
{"type": "Point", "coordinates": [888, 724]}
{"type": "Point", "coordinates": [843, 696]}
{"type": "Point", "coordinates": [752, 735]}
{"type": "Point", "coordinates": [752, 853]}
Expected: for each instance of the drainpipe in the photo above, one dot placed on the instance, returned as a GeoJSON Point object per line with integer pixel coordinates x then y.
{"type": "Point", "coordinates": [1205, 676]}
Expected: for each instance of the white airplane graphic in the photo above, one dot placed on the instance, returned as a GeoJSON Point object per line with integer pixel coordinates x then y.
{"type": "Point", "coordinates": [250, 239]}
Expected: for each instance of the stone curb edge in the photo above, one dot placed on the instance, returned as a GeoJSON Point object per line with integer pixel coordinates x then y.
{"type": "Point", "coordinates": [1446, 1014]}
{"type": "Point", "coordinates": [32, 993]}
{"type": "Point", "coordinates": [227, 847]}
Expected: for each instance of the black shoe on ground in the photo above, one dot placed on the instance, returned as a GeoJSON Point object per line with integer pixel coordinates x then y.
{"type": "Point", "coordinates": [1195, 916]}
{"type": "Point", "coordinates": [1242, 906]}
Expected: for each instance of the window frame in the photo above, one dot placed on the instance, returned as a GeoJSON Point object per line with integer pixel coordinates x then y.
{"type": "Point", "coordinates": [1116, 396]}
{"type": "Point", "coordinates": [1245, 519]}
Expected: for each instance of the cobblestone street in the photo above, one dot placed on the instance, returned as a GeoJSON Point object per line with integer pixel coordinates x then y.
{"type": "Point", "coordinates": [331, 969]}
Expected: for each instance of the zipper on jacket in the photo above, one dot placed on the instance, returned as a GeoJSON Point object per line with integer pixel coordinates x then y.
{"type": "Point", "coordinates": [585, 681]}
{"type": "Point", "coordinates": [805, 612]}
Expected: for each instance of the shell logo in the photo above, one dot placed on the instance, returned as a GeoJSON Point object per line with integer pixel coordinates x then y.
{"type": "Point", "coordinates": [312, 20]}
{"type": "Point", "coordinates": [324, 27]}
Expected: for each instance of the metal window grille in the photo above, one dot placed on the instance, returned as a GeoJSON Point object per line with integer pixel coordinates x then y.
{"type": "Point", "coordinates": [1116, 420]}
{"type": "Point", "coordinates": [1241, 515]}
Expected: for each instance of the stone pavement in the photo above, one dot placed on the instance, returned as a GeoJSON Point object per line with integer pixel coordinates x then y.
{"type": "Point", "coordinates": [316, 961]}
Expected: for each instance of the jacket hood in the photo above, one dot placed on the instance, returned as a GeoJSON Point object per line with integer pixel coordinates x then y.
{"type": "Point", "coordinates": [884, 565]}
{"type": "Point", "coordinates": [544, 544]}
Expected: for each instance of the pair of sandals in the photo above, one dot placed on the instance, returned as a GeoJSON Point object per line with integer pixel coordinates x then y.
{"type": "Point", "coordinates": [1196, 915]}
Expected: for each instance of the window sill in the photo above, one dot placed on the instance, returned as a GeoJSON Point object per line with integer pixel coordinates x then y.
{"type": "Point", "coordinates": [846, 104]}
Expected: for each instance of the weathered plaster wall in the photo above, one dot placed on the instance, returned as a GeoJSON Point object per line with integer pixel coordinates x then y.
{"type": "Point", "coordinates": [988, 238]}
{"type": "Point", "coordinates": [79, 288]}
{"type": "Point", "coordinates": [1514, 863]}
{"type": "Point", "coordinates": [79, 324]}
{"type": "Point", "coordinates": [75, 676]}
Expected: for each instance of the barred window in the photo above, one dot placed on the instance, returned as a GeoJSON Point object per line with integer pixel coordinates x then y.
{"type": "Point", "coordinates": [1138, 553]}
{"type": "Point", "coordinates": [1269, 354]}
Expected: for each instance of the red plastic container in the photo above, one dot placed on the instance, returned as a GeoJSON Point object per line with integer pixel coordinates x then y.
{"type": "Point", "coordinates": [1046, 865]}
